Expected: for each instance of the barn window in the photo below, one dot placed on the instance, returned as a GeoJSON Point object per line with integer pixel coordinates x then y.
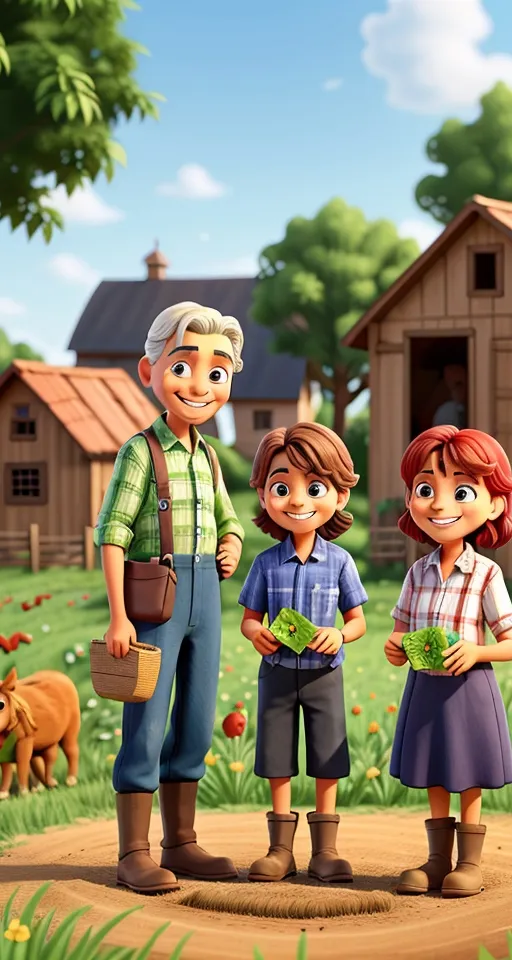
{"type": "Point", "coordinates": [25, 483]}
{"type": "Point", "coordinates": [486, 271]}
{"type": "Point", "coordinates": [262, 419]}
{"type": "Point", "coordinates": [23, 424]}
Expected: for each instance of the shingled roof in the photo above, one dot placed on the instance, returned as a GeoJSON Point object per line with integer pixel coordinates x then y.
{"type": "Point", "coordinates": [496, 212]}
{"type": "Point", "coordinates": [101, 408]}
{"type": "Point", "coordinates": [117, 318]}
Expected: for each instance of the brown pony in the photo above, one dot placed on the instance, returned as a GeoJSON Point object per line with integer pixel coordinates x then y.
{"type": "Point", "coordinates": [36, 715]}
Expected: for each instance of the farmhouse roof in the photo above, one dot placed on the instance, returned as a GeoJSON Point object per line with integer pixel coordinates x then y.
{"type": "Point", "coordinates": [496, 212]}
{"type": "Point", "coordinates": [101, 408]}
{"type": "Point", "coordinates": [117, 318]}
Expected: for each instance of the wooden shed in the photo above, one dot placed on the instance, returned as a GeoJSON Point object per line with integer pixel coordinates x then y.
{"type": "Point", "coordinates": [60, 431]}
{"type": "Point", "coordinates": [440, 351]}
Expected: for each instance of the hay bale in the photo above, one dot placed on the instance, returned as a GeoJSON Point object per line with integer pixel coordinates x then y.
{"type": "Point", "coordinates": [286, 901]}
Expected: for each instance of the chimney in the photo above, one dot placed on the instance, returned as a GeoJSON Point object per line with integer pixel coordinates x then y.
{"type": "Point", "coordinates": [157, 264]}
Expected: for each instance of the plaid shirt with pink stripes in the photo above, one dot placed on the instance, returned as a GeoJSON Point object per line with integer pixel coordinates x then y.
{"type": "Point", "coordinates": [473, 595]}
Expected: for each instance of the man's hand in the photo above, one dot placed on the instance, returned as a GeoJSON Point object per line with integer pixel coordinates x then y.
{"type": "Point", "coordinates": [460, 657]}
{"type": "Point", "coordinates": [228, 554]}
{"type": "Point", "coordinates": [326, 640]}
{"type": "Point", "coordinates": [118, 637]}
{"type": "Point", "coordinates": [394, 652]}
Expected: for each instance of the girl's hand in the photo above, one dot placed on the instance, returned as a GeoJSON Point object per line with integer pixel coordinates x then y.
{"type": "Point", "coordinates": [263, 641]}
{"type": "Point", "coordinates": [460, 657]}
{"type": "Point", "coordinates": [326, 640]}
{"type": "Point", "coordinates": [394, 653]}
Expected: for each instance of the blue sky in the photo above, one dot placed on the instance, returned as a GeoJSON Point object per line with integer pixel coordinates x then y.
{"type": "Point", "coordinates": [272, 109]}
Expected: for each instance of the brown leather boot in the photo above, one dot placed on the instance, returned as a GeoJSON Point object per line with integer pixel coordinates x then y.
{"type": "Point", "coordinates": [466, 879]}
{"type": "Point", "coordinates": [279, 861]}
{"type": "Point", "coordinates": [430, 876]}
{"type": "Point", "coordinates": [136, 870]}
{"type": "Point", "coordinates": [181, 854]}
{"type": "Point", "coordinates": [325, 864]}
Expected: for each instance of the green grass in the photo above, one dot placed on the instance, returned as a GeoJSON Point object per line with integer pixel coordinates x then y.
{"type": "Point", "coordinates": [370, 683]}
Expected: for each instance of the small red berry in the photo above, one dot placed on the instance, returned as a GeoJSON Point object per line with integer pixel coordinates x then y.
{"type": "Point", "coordinates": [234, 725]}
{"type": "Point", "coordinates": [356, 710]}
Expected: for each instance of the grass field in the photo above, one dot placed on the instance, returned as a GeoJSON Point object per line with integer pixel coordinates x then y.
{"type": "Point", "coordinates": [62, 627]}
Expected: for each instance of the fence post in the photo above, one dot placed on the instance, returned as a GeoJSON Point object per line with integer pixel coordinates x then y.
{"type": "Point", "coordinates": [35, 555]}
{"type": "Point", "coordinates": [89, 548]}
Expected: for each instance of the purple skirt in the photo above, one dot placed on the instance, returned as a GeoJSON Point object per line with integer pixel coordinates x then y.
{"type": "Point", "coordinates": [452, 732]}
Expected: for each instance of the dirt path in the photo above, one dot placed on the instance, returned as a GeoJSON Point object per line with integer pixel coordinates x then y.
{"type": "Point", "coordinates": [81, 862]}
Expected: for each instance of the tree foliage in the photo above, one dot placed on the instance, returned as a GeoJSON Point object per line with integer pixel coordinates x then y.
{"type": "Point", "coordinates": [317, 281]}
{"type": "Point", "coordinates": [477, 157]}
{"type": "Point", "coordinates": [14, 351]}
{"type": "Point", "coordinates": [66, 80]}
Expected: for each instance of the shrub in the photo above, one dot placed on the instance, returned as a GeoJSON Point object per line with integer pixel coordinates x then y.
{"type": "Point", "coordinates": [236, 470]}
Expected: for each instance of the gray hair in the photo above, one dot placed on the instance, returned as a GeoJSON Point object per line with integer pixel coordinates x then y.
{"type": "Point", "coordinates": [192, 316]}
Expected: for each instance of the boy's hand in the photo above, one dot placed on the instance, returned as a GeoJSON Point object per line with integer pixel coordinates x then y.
{"type": "Point", "coordinates": [395, 654]}
{"type": "Point", "coordinates": [264, 641]}
{"type": "Point", "coordinates": [326, 640]}
{"type": "Point", "coordinates": [118, 637]}
{"type": "Point", "coordinates": [228, 554]}
{"type": "Point", "coordinates": [460, 657]}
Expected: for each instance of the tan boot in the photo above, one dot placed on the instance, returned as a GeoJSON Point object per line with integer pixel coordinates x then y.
{"type": "Point", "coordinates": [466, 879]}
{"type": "Point", "coordinates": [181, 854]}
{"type": "Point", "coordinates": [430, 876]}
{"type": "Point", "coordinates": [325, 864]}
{"type": "Point", "coordinates": [279, 861]}
{"type": "Point", "coordinates": [136, 870]}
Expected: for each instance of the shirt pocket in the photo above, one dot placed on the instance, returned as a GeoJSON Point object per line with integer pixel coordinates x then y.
{"type": "Point", "coordinates": [324, 602]}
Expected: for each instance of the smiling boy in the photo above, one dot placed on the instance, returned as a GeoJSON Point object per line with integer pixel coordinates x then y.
{"type": "Point", "coordinates": [191, 353]}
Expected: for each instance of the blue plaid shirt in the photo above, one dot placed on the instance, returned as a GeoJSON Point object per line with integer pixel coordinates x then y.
{"type": "Point", "coordinates": [328, 581]}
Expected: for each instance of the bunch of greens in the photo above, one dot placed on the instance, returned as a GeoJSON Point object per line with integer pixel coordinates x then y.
{"type": "Point", "coordinates": [424, 648]}
{"type": "Point", "coordinates": [292, 629]}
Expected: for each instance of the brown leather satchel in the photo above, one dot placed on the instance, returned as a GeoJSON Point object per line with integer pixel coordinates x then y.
{"type": "Point", "coordinates": [150, 587]}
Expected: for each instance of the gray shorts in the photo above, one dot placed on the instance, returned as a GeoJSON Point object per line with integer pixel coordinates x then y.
{"type": "Point", "coordinates": [282, 691]}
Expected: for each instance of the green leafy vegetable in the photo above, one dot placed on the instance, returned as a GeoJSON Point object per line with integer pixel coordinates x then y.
{"type": "Point", "coordinates": [424, 648]}
{"type": "Point", "coordinates": [292, 629]}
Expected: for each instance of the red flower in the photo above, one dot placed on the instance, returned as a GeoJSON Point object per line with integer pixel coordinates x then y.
{"type": "Point", "coordinates": [46, 596]}
{"type": "Point", "coordinates": [8, 600]}
{"type": "Point", "coordinates": [391, 708]}
{"type": "Point", "coordinates": [26, 606]}
{"type": "Point", "coordinates": [38, 601]}
{"type": "Point", "coordinates": [229, 669]}
{"type": "Point", "coordinates": [239, 705]}
{"type": "Point", "coordinates": [71, 603]}
{"type": "Point", "coordinates": [234, 725]}
{"type": "Point", "coordinates": [85, 596]}
{"type": "Point", "coordinates": [373, 696]}
{"type": "Point", "coordinates": [356, 710]}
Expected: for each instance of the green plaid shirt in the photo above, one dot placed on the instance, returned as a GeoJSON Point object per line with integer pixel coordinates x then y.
{"type": "Point", "coordinates": [201, 516]}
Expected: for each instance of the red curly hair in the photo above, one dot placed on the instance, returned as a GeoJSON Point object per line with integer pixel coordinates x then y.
{"type": "Point", "coordinates": [477, 454]}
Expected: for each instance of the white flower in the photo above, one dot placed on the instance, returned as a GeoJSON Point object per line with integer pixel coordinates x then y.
{"type": "Point", "coordinates": [244, 679]}
{"type": "Point", "coordinates": [392, 676]}
{"type": "Point", "coordinates": [359, 669]}
{"type": "Point", "coordinates": [105, 736]}
{"type": "Point", "coordinates": [92, 703]}
{"type": "Point", "coordinates": [247, 695]}
{"type": "Point", "coordinates": [220, 674]}
{"type": "Point", "coordinates": [239, 648]}
{"type": "Point", "coordinates": [254, 683]}
{"type": "Point", "coordinates": [69, 657]}
{"type": "Point", "coordinates": [353, 694]}
{"type": "Point", "coordinates": [105, 713]}
{"type": "Point", "coordinates": [79, 650]}
{"type": "Point", "coordinates": [45, 628]}
{"type": "Point", "coordinates": [224, 696]}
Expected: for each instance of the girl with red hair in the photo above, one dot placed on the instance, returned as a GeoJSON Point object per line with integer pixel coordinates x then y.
{"type": "Point", "coordinates": [452, 733]}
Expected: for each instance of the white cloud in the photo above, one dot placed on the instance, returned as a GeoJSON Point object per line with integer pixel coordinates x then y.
{"type": "Point", "coordinates": [83, 206]}
{"type": "Point", "coordinates": [421, 230]}
{"type": "Point", "coordinates": [73, 269]}
{"type": "Point", "coordinates": [11, 308]}
{"type": "Point", "coordinates": [334, 83]}
{"type": "Point", "coordinates": [193, 182]}
{"type": "Point", "coordinates": [204, 237]}
{"type": "Point", "coordinates": [428, 53]}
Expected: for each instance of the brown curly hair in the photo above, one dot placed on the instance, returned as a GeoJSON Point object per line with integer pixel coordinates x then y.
{"type": "Point", "coordinates": [312, 448]}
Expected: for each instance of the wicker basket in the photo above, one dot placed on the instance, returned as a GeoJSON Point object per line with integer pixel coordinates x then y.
{"type": "Point", "coordinates": [131, 679]}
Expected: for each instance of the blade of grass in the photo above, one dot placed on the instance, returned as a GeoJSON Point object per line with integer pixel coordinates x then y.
{"type": "Point", "coordinates": [178, 950]}
{"type": "Point", "coordinates": [95, 940]}
{"type": "Point", "coordinates": [39, 933]}
{"type": "Point", "coordinates": [57, 946]}
{"type": "Point", "coordinates": [145, 951]}
{"type": "Point", "coordinates": [302, 949]}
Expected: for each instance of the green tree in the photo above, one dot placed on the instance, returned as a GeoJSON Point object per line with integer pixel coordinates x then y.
{"type": "Point", "coordinates": [317, 281]}
{"type": "Point", "coordinates": [14, 351]}
{"type": "Point", "coordinates": [477, 157]}
{"type": "Point", "coordinates": [66, 80]}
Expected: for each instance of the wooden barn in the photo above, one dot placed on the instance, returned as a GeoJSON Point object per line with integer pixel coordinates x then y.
{"type": "Point", "coordinates": [440, 351]}
{"type": "Point", "coordinates": [60, 431]}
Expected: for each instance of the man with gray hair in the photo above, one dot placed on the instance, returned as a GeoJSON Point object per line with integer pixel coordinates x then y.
{"type": "Point", "coordinates": [191, 354]}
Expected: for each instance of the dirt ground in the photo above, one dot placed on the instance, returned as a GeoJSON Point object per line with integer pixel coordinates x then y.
{"type": "Point", "coordinates": [81, 862]}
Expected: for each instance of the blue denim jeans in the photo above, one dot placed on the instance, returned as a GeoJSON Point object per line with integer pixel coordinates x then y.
{"type": "Point", "coordinates": [190, 645]}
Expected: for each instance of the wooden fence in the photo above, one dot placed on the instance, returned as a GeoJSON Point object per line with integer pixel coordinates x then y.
{"type": "Point", "coordinates": [31, 548]}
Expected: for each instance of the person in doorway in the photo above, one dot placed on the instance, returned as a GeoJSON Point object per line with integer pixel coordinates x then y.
{"type": "Point", "coordinates": [452, 732]}
{"type": "Point", "coordinates": [303, 476]}
{"type": "Point", "coordinates": [453, 411]}
{"type": "Point", "coordinates": [191, 353]}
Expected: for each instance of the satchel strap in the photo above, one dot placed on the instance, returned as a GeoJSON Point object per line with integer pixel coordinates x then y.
{"type": "Point", "coordinates": [213, 462]}
{"type": "Point", "coordinates": [163, 494]}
